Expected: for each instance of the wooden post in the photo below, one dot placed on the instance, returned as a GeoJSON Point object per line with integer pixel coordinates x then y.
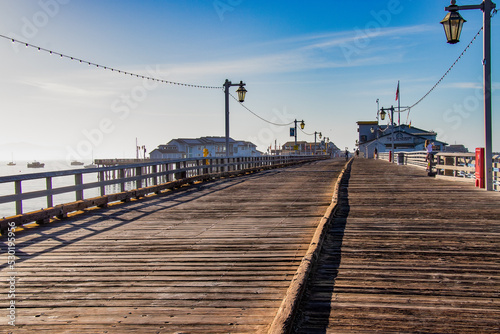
{"type": "Point", "coordinates": [177, 174]}
{"type": "Point", "coordinates": [138, 172]}
{"type": "Point", "coordinates": [122, 176]}
{"type": "Point", "coordinates": [102, 188]}
{"type": "Point", "coordinates": [155, 178]}
{"type": "Point", "coordinates": [19, 202]}
{"type": "Point", "coordinates": [449, 161]}
{"type": "Point", "coordinates": [50, 198]}
{"type": "Point", "coordinates": [78, 182]}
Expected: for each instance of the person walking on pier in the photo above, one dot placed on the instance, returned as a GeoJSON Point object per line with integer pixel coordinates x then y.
{"type": "Point", "coordinates": [429, 158]}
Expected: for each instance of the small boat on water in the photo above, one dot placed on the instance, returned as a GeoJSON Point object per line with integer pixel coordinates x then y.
{"type": "Point", "coordinates": [36, 164]}
{"type": "Point", "coordinates": [92, 164]}
{"type": "Point", "coordinates": [76, 163]}
{"type": "Point", "coordinates": [11, 163]}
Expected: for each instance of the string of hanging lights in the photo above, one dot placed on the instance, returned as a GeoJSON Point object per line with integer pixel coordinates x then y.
{"type": "Point", "coordinates": [263, 119]}
{"type": "Point", "coordinates": [446, 73]}
{"type": "Point", "coordinates": [112, 69]}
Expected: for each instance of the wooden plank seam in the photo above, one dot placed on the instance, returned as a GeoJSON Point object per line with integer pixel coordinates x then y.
{"type": "Point", "coordinates": [283, 321]}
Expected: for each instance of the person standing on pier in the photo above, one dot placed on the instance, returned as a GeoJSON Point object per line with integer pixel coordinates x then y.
{"type": "Point", "coordinates": [428, 148]}
{"type": "Point", "coordinates": [429, 157]}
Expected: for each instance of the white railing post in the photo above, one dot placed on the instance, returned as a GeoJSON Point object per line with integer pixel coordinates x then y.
{"type": "Point", "coordinates": [78, 183]}
{"type": "Point", "coordinates": [19, 202]}
{"type": "Point", "coordinates": [50, 197]}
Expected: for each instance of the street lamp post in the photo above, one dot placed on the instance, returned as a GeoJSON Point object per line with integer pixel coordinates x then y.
{"type": "Point", "coordinates": [302, 125]}
{"type": "Point", "coordinates": [378, 126]}
{"type": "Point", "coordinates": [452, 24]}
{"type": "Point", "coordinates": [382, 117]}
{"type": "Point", "coordinates": [241, 97]}
{"type": "Point", "coordinates": [320, 135]}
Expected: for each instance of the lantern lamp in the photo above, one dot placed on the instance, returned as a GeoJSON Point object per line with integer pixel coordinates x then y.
{"type": "Point", "coordinates": [382, 114]}
{"type": "Point", "coordinates": [241, 92]}
{"type": "Point", "coordinates": [452, 24]}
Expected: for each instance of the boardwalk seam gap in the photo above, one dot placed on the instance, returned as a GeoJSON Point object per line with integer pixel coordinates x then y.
{"type": "Point", "coordinates": [283, 321]}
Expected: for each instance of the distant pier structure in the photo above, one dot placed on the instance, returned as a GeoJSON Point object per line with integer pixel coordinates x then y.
{"type": "Point", "coordinates": [117, 162]}
{"type": "Point", "coordinates": [129, 172]}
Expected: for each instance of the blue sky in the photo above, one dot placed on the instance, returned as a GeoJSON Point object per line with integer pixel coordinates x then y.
{"type": "Point", "coordinates": [322, 61]}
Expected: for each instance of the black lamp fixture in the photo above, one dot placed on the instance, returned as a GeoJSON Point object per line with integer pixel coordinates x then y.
{"type": "Point", "coordinates": [241, 92]}
{"type": "Point", "coordinates": [382, 114]}
{"type": "Point", "coordinates": [453, 23]}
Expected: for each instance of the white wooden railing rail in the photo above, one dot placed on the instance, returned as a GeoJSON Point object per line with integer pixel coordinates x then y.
{"type": "Point", "coordinates": [456, 165]}
{"type": "Point", "coordinates": [129, 181]}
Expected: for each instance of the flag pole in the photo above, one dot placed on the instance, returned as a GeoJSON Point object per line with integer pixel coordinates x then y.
{"type": "Point", "coordinates": [399, 107]}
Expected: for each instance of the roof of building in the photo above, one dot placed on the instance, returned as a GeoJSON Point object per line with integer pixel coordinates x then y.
{"type": "Point", "coordinates": [202, 141]}
{"type": "Point", "coordinates": [206, 140]}
{"type": "Point", "coordinates": [457, 149]}
{"type": "Point", "coordinates": [419, 135]}
{"type": "Point", "coordinates": [162, 151]}
{"type": "Point", "coordinates": [288, 143]}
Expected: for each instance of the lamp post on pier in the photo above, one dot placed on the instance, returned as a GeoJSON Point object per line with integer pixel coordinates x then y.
{"type": "Point", "coordinates": [452, 24]}
{"type": "Point", "coordinates": [302, 125]}
{"type": "Point", "coordinates": [382, 117]}
{"type": "Point", "coordinates": [372, 129]}
{"type": "Point", "coordinates": [320, 135]}
{"type": "Point", "coordinates": [241, 97]}
{"type": "Point", "coordinates": [327, 144]}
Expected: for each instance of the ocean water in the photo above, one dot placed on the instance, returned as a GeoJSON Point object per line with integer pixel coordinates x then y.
{"type": "Point", "coordinates": [8, 209]}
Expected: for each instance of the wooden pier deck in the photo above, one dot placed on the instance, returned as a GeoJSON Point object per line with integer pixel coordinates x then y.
{"type": "Point", "coordinates": [407, 254]}
{"type": "Point", "coordinates": [214, 258]}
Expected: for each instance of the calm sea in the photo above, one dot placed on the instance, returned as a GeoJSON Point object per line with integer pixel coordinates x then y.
{"type": "Point", "coordinates": [8, 209]}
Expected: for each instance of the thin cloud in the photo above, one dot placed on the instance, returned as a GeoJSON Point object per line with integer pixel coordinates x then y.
{"type": "Point", "coordinates": [471, 85]}
{"type": "Point", "coordinates": [360, 36]}
{"type": "Point", "coordinates": [310, 52]}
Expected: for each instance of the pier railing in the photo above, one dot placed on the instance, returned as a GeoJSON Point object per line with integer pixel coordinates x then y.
{"type": "Point", "coordinates": [124, 182]}
{"type": "Point", "coordinates": [460, 166]}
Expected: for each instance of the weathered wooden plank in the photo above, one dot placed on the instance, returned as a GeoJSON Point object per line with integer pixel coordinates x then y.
{"type": "Point", "coordinates": [211, 258]}
{"type": "Point", "coordinates": [410, 254]}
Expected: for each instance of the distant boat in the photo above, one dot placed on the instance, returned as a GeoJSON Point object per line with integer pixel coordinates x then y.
{"type": "Point", "coordinates": [35, 164]}
{"type": "Point", "coordinates": [11, 163]}
{"type": "Point", "coordinates": [76, 163]}
{"type": "Point", "coordinates": [92, 165]}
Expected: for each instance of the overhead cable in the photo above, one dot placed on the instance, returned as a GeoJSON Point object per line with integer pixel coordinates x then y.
{"type": "Point", "coordinates": [107, 67]}
{"type": "Point", "coordinates": [309, 134]}
{"type": "Point", "coordinates": [265, 120]}
{"type": "Point", "coordinates": [446, 73]}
